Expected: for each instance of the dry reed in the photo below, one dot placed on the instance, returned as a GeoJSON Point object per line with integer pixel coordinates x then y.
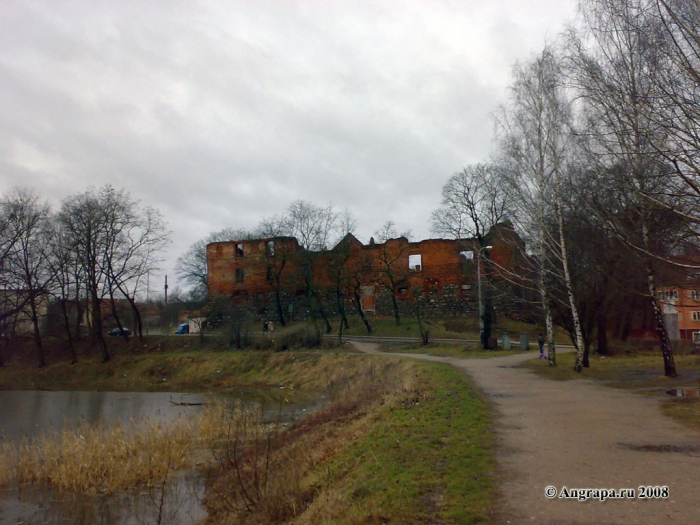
{"type": "Point", "coordinates": [111, 458]}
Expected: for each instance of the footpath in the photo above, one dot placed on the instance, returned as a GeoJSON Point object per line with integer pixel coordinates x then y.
{"type": "Point", "coordinates": [581, 435]}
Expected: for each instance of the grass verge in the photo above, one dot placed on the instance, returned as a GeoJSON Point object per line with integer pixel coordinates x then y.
{"type": "Point", "coordinates": [640, 372]}
{"type": "Point", "coordinates": [406, 442]}
{"type": "Point", "coordinates": [399, 441]}
{"type": "Point", "coordinates": [447, 350]}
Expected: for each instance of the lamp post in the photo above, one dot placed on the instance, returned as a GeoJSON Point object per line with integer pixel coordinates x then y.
{"type": "Point", "coordinates": [481, 304]}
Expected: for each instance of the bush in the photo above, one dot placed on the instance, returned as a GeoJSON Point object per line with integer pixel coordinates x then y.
{"type": "Point", "coordinates": [304, 335]}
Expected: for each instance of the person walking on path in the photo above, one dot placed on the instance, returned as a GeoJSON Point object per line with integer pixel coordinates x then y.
{"type": "Point", "coordinates": [540, 342]}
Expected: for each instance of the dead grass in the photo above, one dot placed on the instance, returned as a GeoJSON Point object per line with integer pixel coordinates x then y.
{"type": "Point", "coordinates": [6, 452]}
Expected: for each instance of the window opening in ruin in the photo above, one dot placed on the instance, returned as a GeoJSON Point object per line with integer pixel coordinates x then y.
{"type": "Point", "coordinates": [239, 250]}
{"type": "Point", "coordinates": [466, 260]}
{"type": "Point", "coordinates": [403, 290]}
{"type": "Point", "coordinates": [414, 262]}
{"type": "Point", "coordinates": [239, 275]}
{"type": "Point", "coordinates": [270, 248]}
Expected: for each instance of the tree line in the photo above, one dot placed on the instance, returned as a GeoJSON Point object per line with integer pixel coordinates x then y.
{"type": "Point", "coordinates": [596, 163]}
{"type": "Point", "coordinates": [98, 247]}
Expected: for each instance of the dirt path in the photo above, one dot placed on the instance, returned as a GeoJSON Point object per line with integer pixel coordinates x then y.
{"type": "Point", "coordinates": [579, 434]}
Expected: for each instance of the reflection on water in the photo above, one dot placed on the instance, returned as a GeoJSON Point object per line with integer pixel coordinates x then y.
{"type": "Point", "coordinates": [29, 414]}
{"type": "Point", "coordinates": [178, 504]}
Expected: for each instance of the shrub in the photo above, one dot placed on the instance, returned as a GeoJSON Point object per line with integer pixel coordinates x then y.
{"type": "Point", "coordinates": [304, 335]}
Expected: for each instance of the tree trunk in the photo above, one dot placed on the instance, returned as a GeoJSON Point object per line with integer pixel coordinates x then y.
{"type": "Point", "coordinates": [569, 288]}
{"type": "Point", "coordinates": [97, 325]}
{"type": "Point", "coordinates": [280, 310]}
{"type": "Point", "coordinates": [546, 311]}
{"type": "Point", "coordinates": [602, 332]}
{"type": "Point", "coordinates": [37, 332]}
{"type": "Point", "coordinates": [66, 322]}
{"type": "Point", "coordinates": [396, 307]}
{"type": "Point", "coordinates": [137, 316]}
{"type": "Point", "coordinates": [666, 350]}
{"type": "Point", "coordinates": [358, 306]}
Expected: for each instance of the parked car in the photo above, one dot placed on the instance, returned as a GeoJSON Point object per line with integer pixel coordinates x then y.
{"type": "Point", "coordinates": [184, 328]}
{"type": "Point", "coordinates": [116, 331]}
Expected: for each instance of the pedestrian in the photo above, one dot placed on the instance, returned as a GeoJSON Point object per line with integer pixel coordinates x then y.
{"type": "Point", "coordinates": [271, 328]}
{"type": "Point", "coordinates": [265, 328]}
{"type": "Point", "coordinates": [540, 342]}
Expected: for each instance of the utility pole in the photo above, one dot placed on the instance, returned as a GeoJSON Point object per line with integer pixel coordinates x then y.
{"type": "Point", "coordinates": [166, 290]}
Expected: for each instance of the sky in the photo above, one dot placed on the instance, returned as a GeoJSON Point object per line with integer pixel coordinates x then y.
{"type": "Point", "coordinates": [221, 113]}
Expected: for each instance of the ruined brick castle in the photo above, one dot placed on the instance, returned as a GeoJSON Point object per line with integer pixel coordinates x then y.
{"type": "Point", "coordinates": [276, 277]}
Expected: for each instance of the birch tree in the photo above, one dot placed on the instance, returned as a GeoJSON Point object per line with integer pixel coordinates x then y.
{"type": "Point", "coordinates": [534, 140]}
{"type": "Point", "coordinates": [612, 60]}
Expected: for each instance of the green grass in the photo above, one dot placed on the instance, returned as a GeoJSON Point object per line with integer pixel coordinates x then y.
{"type": "Point", "coordinates": [451, 328]}
{"type": "Point", "coordinates": [386, 327]}
{"type": "Point", "coordinates": [428, 458]}
{"type": "Point", "coordinates": [448, 350]}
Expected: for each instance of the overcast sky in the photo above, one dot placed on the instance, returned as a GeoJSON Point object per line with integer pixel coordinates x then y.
{"type": "Point", "coordinates": [220, 113]}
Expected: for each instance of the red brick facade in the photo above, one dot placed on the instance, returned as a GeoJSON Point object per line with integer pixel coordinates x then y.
{"type": "Point", "coordinates": [441, 271]}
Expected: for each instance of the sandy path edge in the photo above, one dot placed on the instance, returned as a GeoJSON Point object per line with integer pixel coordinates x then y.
{"type": "Point", "coordinates": [579, 434]}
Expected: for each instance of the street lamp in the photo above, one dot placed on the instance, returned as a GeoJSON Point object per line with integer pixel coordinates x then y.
{"type": "Point", "coordinates": [481, 304]}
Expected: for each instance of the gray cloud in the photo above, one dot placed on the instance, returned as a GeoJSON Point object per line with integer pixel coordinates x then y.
{"type": "Point", "coordinates": [222, 113]}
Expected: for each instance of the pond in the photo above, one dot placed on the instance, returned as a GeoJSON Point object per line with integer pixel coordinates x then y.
{"type": "Point", "coordinates": [28, 414]}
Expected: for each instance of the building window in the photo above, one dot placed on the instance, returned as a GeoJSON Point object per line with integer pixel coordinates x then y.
{"type": "Point", "coordinates": [239, 250]}
{"type": "Point", "coordinates": [239, 275]}
{"type": "Point", "coordinates": [667, 295]}
{"type": "Point", "coordinates": [695, 295]}
{"type": "Point", "coordinates": [695, 316]}
{"type": "Point", "coordinates": [414, 263]}
{"type": "Point", "coordinates": [270, 248]}
{"type": "Point", "coordinates": [696, 337]}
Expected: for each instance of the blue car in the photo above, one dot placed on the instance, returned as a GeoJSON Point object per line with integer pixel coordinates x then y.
{"type": "Point", "coordinates": [184, 328]}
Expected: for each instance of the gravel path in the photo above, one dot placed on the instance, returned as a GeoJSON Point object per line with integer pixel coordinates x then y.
{"type": "Point", "coordinates": [579, 434]}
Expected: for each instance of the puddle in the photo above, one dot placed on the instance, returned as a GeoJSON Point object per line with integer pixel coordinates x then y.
{"type": "Point", "coordinates": [683, 392]}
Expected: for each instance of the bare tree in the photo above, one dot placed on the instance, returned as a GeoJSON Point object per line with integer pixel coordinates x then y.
{"type": "Point", "coordinates": [27, 264]}
{"type": "Point", "coordinates": [67, 281]}
{"type": "Point", "coordinates": [115, 243]}
{"type": "Point", "coordinates": [612, 58]}
{"type": "Point", "coordinates": [134, 238]}
{"type": "Point", "coordinates": [390, 265]}
{"type": "Point", "coordinates": [314, 227]}
{"type": "Point", "coordinates": [535, 139]}
{"type": "Point", "coordinates": [474, 201]}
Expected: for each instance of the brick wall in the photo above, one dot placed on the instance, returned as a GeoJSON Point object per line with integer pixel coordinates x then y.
{"type": "Point", "coordinates": [255, 272]}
